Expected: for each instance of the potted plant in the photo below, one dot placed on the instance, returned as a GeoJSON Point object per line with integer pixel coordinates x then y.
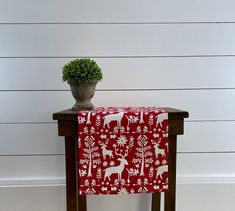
{"type": "Point", "coordinates": [82, 75]}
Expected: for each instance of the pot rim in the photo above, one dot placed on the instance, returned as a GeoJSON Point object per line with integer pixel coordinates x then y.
{"type": "Point", "coordinates": [81, 82]}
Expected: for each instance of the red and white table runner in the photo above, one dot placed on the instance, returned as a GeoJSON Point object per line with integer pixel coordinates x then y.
{"type": "Point", "coordinates": [123, 150]}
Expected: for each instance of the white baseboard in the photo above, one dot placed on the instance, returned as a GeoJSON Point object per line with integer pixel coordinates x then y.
{"type": "Point", "coordinates": [32, 182]}
{"type": "Point", "coordinates": [206, 179]}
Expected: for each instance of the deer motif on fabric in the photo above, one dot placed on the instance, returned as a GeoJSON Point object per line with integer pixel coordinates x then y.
{"type": "Point", "coordinates": [161, 170]}
{"type": "Point", "coordinates": [160, 118]}
{"type": "Point", "coordinates": [122, 150]}
{"type": "Point", "coordinates": [117, 169]}
{"type": "Point", "coordinates": [113, 117]}
{"type": "Point", "coordinates": [106, 152]}
{"type": "Point", "coordinates": [157, 150]}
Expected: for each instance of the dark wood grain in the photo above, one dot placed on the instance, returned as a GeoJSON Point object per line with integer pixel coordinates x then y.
{"type": "Point", "coordinates": [156, 202]}
{"type": "Point", "coordinates": [176, 126]}
{"type": "Point", "coordinates": [169, 199]}
{"type": "Point", "coordinates": [82, 203]}
{"type": "Point", "coordinates": [74, 201]}
{"type": "Point", "coordinates": [67, 127]}
{"type": "Point", "coordinates": [71, 173]}
{"type": "Point", "coordinates": [72, 115]}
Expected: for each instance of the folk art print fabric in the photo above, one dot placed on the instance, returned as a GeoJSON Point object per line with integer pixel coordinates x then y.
{"type": "Point", "coordinates": [122, 150]}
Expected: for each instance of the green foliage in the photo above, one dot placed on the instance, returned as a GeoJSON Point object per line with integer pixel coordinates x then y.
{"type": "Point", "coordinates": [82, 70]}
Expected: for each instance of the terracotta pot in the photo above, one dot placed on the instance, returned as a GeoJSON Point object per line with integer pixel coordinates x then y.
{"type": "Point", "coordinates": [83, 93]}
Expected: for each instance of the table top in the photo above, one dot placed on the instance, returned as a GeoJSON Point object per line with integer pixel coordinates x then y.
{"type": "Point", "coordinates": [68, 114]}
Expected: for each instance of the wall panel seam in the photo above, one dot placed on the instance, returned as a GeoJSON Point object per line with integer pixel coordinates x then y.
{"type": "Point", "coordinates": [119, 56]}
{"type": "Point", "coordinates": [119, 23]}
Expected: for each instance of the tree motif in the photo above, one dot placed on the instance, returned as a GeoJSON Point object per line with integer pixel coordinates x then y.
{"type": "Point", "coordinates": [151, 120]}
{"type": "Point", "coordinates": [141, 116]}
{"type": "Point", "coordinates": [103, 169]}
{"type": "Point", "coordinates": [143, 152]}
{"type": "Point", "coordinates": [90, 152]}
{"type": "Point", "coordinates": [88, 118]}
{"type": "Point", "coordinates": [96, 162]}
{"type": "Point", "coordinates": [98, 121]}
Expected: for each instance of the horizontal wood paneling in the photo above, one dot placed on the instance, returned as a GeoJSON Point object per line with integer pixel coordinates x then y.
{"type": "Point", "coordinates": [197, 56]}
{"type": "Point", "coordinates": [31, 167]}
{"type": "Point", "coordinates": [205, 197]}
{"type": "Point", "coordinates": [33, 106]}
{"type": "Point", "coordinates": [125, 73]}
{"type": "Point", "coordinates": [116, 40]}
{"type": "Point", "coordinates": [207, 137]}
{"type": "Point", "coordinates": [26, 139]}
{"type": "Point", "coordinates": [205, 164]}
{"type": "Point", "coordinates": [32, 198]}
{"type": "Point", "coordinates": [52, 167]}
{"type": "Point", "coordinates": [118, 11]}
{"type": "Point", "coordinates": [39, 106]}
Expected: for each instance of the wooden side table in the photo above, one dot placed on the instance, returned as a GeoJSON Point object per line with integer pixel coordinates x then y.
{"type": "Point", "coordinates": [67, 127]}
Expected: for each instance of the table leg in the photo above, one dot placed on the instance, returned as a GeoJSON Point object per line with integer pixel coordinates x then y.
{"type": "Point", "coordinates": [169, 201]}
{"type": "Point", "coordinates": [156, 202]}
{"type": "Point", "coordinates": [74, 201]}
{"type": "Point", "coordinates": [82, 203]}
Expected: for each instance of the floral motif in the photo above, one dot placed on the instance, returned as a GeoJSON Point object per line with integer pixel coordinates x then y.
{"type": "Point", "coordinates": [81, 120]}
{"type": "Point", "coordinates": [123, 191]}
{"type": "Point", "coordinates": [105, 163]}
{"type": "Point", "coordinates": [117, 153]}
{"type": "Point", "coordinates": [133, 119]}
{"type": "Point", "coordinates": [121, 141]}
{"type": "Point", "coordinates": [82, 173]}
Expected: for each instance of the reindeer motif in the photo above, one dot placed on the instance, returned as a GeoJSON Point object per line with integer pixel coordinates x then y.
{"type": "Point", "coordinates": [160, 118]}
{"type": "Point", "coordinates": [105, 151]}
{"type": "Point", "coordinates": [161, 170]}
{"type": "Point", "coordinates": [117, 169]}
{"type": "Point", "coordinates": [113, 117]}
{"type": "Point", "coordinates": [157, 150]}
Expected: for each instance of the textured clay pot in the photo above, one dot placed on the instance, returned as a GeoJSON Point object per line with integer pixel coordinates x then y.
{"type": "Point", "coordinates": [83, 93]}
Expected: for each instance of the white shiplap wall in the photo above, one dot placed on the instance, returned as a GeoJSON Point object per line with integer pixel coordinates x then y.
{"type": "Point", "coordinates": [182, 54]}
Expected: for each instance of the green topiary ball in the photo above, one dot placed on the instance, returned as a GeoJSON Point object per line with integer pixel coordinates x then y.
{"type": "Point", "coordinates": [85, 70]}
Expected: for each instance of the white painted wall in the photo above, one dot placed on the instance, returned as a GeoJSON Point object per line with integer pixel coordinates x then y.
{"type": "Point", "coordinates": [182, 54]}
